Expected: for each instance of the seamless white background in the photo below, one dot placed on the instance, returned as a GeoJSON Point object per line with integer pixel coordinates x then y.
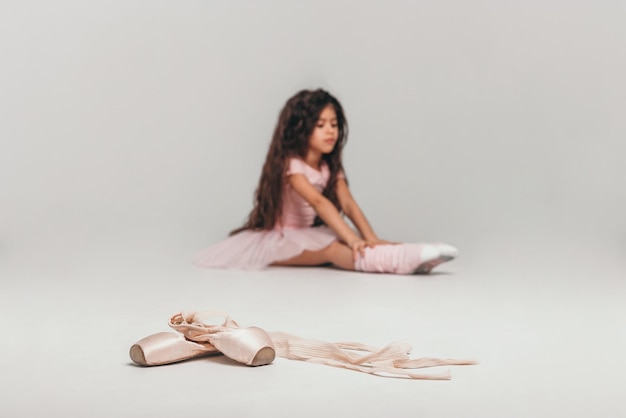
{"type": "Point", "coordinates": [133, 133]}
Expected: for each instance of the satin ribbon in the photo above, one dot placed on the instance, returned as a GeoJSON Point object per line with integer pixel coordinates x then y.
{"type": "Point", "coordinates": [390, 361]}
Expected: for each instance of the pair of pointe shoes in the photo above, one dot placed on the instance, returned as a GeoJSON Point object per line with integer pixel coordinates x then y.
{"type": "Point", "coordinates": [250, 346]}
{"type": "Point", "coordinates": [254, 347]}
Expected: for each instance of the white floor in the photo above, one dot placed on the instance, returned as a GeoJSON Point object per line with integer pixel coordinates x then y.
{"type": "Point", "coordinates": [546, 322]}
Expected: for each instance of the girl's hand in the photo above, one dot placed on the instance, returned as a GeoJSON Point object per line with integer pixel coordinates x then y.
{"type": "Point", "coordinates": [372, 242]}
{"type": "Point", "coordinates": [358, 247]}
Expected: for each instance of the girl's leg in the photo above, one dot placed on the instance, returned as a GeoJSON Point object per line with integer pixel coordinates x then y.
{"type": "Point", "coordinates": [336, 253]}
{"type": "Point", "coordinates": [400, 259]}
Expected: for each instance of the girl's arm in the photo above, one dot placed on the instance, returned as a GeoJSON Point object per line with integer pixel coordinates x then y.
{"type": "Point", "coordinates": [353, 211]}
{"type": "Point", "coordinates": [328, 212]}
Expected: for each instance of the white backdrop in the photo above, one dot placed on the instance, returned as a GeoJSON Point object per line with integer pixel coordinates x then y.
{"type": "Point", "coordinates": [133, 134]}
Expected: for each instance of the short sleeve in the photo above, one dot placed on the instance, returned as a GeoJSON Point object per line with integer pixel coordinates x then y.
{"type": "Point", "coordinates": [296, 166]}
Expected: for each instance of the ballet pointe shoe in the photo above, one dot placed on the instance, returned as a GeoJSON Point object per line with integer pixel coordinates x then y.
{"type": "Point", "coordinates": [250, 346]}
{"type": "Point", "coordinates": [166, 348]}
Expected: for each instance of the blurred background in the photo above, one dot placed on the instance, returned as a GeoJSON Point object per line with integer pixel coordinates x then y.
{"type": "Point", "coordinates": [480, 123]}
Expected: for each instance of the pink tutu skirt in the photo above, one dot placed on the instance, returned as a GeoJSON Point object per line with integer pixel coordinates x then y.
{"type": "Point", "coordinates": [253, 250]}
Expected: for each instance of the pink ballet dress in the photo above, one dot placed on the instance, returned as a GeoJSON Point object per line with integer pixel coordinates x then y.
{"type": "Point", "coordinates": [294, 234]}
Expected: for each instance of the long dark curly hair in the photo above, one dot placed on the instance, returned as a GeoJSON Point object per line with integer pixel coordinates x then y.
{"type": "Point", "coordinates": [291, 139]}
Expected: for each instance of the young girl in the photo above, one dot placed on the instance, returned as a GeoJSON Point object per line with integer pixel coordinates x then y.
{"type": "Point", "coordinates": [303, 192]}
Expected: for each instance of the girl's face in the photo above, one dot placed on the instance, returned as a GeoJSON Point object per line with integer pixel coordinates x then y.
{"type": "Point", "coordinates": [325, 133]}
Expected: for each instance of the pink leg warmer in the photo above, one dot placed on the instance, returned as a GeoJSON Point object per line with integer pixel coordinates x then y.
{"type": "Point", "coordinates": [404, 258]}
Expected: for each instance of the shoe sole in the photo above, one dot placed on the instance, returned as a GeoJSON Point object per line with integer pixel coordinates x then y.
{"type": "Point", "coordinates": [137, 355]}
{"type": "Point", "coordinates": [265, 356]}
{"type": "Point", "coordinates": [426, 268]}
